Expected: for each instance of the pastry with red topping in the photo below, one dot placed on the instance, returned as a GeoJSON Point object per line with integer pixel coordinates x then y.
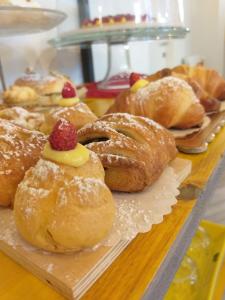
{"type": "Point", "coordinates": [113, 20]}
{"type": "Point", "coordinates": [62, 204]}
{"type": "Point", "coordinates": [35, 90]}
{"type": "Point", "coordinates": [69, 108]}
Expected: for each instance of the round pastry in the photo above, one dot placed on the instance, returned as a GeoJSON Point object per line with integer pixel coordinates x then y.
{"type": "Point", "coordinates": [22, 117]}
{"type": "Point", "coordinates": [63, 204]}
{"type": "Point", "coordinates": [70, 108]}
{"type": "Point", "coordinates": [20, 95]}
{"type": "Point", "coordinates": [133, 150]}
{"type": "Point", "coordinates": [19, 150]}
{"type": "Point", "coordinates": [32, 89]}
{"type": "Point", "coordinates": [169, 101]}
{"type": "Point", "coordinates": [43, 85]}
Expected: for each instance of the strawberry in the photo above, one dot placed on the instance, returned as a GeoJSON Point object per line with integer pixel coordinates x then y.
{"type": "Point", "coordinates": [63, 136]}
{"type": "Point", "coordinates": [68, 91]}
{"type": "Point", "coordinates": [134, 77]}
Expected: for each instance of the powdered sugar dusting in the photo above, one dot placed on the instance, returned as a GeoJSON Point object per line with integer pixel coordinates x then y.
{"type": "Point", "coordinates": [16, 143]}
{"type": "Point", "coordinates": [43, 167]}
{"type": "Point", "coordinates": [163, 86]}
{"type": "Point", "coordinates": [22, 117]}
{"type": "Point", "coordinates": [8, 232]}
{"type": "Point", "coordinates": [86, 189]}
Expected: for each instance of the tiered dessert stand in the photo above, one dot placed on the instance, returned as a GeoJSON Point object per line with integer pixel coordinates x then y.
{"type": "Point", "coordinates": [114, 36]}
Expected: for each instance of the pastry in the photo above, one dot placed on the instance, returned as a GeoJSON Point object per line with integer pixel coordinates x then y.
{"type": "Point", "coordinates": [35, 90]}
{"type": "Point", "coordinates": [70, 108]}
{"type": "Point", "coordinates": [133, 150]}
{"type": "Point", "coordinates": [210, 80]}
{"type": "Point", "coordinates": [119, 19]}
{"type": "Point", "coordinates": [20, 95]}
{"type": "Point", "coordinates": [169, 101]}
{"type": "Point", "coordinates": [22, 117]}
{"type": "Point", "coordinates": [19, 150]}
{"type": "Point", "coordinates": [208, 85]}
{"type": "Point", "coordinates": [63, 204]}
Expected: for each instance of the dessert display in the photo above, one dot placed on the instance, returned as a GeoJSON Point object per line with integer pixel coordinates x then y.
{"type": "Point", "coordinates": [69, 108]}
{"type": "Point", "coordinates": [208, 84]}
{"type": "Point", "coordinates": [62, 204]}
{"type": "Point", "coordinates": [22, 117]}
{"type": "Point", "coordinates": [170, 101]}
{"type": "Point", "coordinates": [35, 90]}
{"type": "Point", "coordinates": [133, 150]}
{"type": "Point", "coordinates": [19, 150]}
{"type": "Point", "coordinates": [120, 19]}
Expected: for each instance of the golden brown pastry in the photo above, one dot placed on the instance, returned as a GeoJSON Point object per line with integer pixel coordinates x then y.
{"type": "Point", "coordinates": [169, 101]}
{"type": "Point", "coordinates": [62, 207]}
{"type": "Point", "coordinates": [22, 117]}
{"type": "Point", "coordinates": [78, 114]}
{"type": "Point", "coordinates": [19, 150]}
{"type": "Point", "coordinates": [210, 80]}
{"type": "Point", "coordinates": [133, 150]}
{"type": "Point", "coordinates": [208, 85]}
{"type": "Point", "coordinates": [20, 95]}
{"type": "Point", "coordinates": [36, 90]}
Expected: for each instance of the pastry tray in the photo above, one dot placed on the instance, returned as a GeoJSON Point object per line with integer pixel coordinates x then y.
{"type": "Point", "coordinates": [72, 275]}
{"type": "Point", "coordinates": [198, 142]}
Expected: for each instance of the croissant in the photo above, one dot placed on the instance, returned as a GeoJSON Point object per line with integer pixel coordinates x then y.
{"type": "Point", "coordinates": [60, 208]}
{"type": "Point", "coordinates": [208, 85]}
{"type": "Point", "coordinates": [169, 101]}
{"type": "Point", "coordinates": [133, 150]}
{"type": "Point", "coordinates": [210, 80]}
{"type": "Point", "coordinates": [79, 115]}
{"type": "Point", "coordinates": [19, 150]}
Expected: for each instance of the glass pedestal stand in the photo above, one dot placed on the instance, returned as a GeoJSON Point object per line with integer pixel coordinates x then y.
{"type": "Point", "coordinates": [16, 21]}
{"type": "Point", "coordinates": [117, 38]}
{"type": "Point", "coordinates": [119, 67]}
{"type": "Point", "coordinates": [2, 78]}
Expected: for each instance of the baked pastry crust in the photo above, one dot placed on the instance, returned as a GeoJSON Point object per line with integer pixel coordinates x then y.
{"type": "Point", "coordinates": [19, 150]}
{"type": "Point", "coordinates": [20, 95]}
{"type": "Point", "coordinates": [64, 209]}
{"type": "Point", "coordinates": [35, 90]}
{"type": "Point", "coordinates": [133, 150]}
{"type": "Point", "coordinates": [208, 85]}
{"type": "Point", "coordinates": [22, 117]}
{"type": "Point", "coordinates": [169, 101]}
{"type": "Point", "coordinates": [79, 115]}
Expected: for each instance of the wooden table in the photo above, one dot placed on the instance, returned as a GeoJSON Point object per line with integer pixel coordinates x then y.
{"type": "Point", "coordinates": [146, 268]}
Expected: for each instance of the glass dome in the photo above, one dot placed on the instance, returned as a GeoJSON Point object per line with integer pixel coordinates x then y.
{"type": "Point", "coordinates": [104, 13]}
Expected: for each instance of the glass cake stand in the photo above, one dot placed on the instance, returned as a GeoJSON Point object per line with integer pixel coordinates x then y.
{"type": "Point", "coordinates": [116, 36]}
{"type": "Point", "coordinates": [16, 21]}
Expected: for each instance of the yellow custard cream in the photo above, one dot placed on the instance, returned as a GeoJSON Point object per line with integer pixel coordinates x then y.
{"type": "Point", "coordinates": [138, 85]}
{"type": "Point", "coordinates": [75, 158]}
{"type": "Point", "coordinates": [68, 101]}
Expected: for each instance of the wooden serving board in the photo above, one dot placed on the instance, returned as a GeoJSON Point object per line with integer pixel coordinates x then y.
{"type": "Point", "coordinates": [198, 142]}
{"type": "Point", "coordinates": [71, 275]}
